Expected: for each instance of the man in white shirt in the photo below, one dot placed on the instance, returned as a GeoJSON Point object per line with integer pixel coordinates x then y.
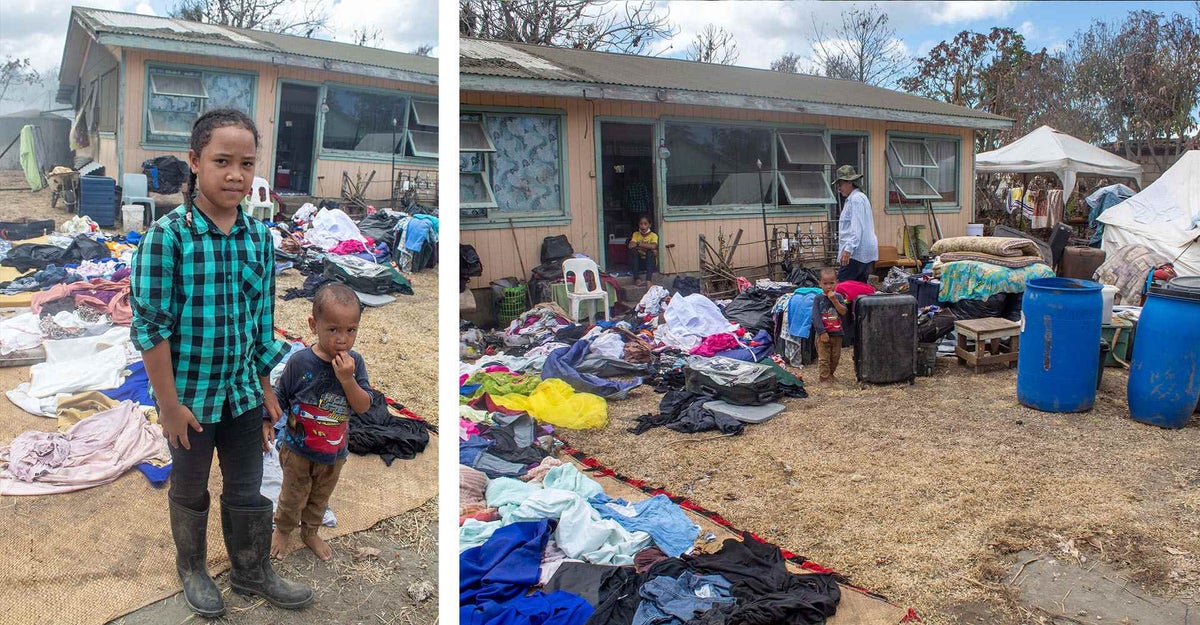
{"type": "Point", "coordinates": [858, 249]}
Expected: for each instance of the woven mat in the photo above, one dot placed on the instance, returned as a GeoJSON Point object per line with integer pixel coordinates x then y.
{"type": "Point", "coordinates": [855, 607]}
{"type": "Point", "coordinates": [97, 554]}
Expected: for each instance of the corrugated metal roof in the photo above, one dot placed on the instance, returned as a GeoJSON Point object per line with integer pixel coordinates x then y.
{"type": "Point", "coordinates": [516, 60]}
{"type": "Point", "coordinates": [171, 29]}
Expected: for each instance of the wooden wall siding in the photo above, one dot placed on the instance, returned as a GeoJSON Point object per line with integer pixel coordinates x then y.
{"type": "Point", "coordinates": [134, 118]}
{"type": "Point", "coordinates": [497, 246]}
{"type": "Point", "coordinates": [106, 153]}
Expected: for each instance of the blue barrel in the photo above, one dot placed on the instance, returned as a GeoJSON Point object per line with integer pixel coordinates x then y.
{"type": "Point", "coordinates": [1060, 338]}
{"type": "Point", "coordinates": [1164, 378]}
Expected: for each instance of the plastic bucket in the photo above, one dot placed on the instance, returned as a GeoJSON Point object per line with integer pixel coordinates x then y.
{"type": "Point", "coordinates": [133, 217]}
{"type": "Point", "coordinates": [1060, 341]}
{"type": "Point", "coordinates": [974, 230]}
{"type": "Point", "coordinates": [1109, 294]}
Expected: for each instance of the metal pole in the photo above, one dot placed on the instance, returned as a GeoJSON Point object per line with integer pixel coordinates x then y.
{"type": "Point", "coordinates": [762, 202]}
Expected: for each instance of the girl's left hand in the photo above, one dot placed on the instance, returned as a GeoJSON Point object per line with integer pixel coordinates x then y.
{"type": "Point", "coordinates": [271, 404]}
{"type": "Point", "coordinates": [268, 436]}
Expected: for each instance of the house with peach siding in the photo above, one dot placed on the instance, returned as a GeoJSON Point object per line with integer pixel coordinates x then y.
{"type": "Point", "coordinates": [584, 143]}
{"type": "Point", "coordinates": [138, 82]}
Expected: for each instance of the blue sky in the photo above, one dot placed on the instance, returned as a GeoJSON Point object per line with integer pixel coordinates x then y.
{"type": "Point", "coordinates": [766, 30]}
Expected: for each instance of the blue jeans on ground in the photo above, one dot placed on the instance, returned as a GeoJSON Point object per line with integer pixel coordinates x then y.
{"type": "Point", "coordinates": [679, 600]}
{"type": "Point", "coordinates": [645, 263]}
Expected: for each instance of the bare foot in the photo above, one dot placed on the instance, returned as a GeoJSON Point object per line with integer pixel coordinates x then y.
{"type": "Point", "coordinates": [279, 542]}
{"type": "Point", "coordinates": [319, 547]}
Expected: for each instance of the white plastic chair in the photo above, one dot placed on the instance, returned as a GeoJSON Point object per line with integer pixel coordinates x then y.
{"type": "Point", "coordinates": [580, 292]}
{"type": "Point", "coordinates": [259, 201]}
{"type": "Point", "coordinates": [135, 190]}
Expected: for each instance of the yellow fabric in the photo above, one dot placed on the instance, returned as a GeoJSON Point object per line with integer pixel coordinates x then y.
{"type": "Point", "coordinates": [8, 274]}
{"type": "Point", "coordinates": [649, 237]}
{"type": "Point", "coordinates": [556, 403]}
{"type": "Point", "coordinates": [76, 408]}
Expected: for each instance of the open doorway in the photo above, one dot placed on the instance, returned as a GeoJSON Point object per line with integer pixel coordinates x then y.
{"type": "Point", "coordinates": [627, 187]}
{"type": "Point", "coordinates": [297, 128]}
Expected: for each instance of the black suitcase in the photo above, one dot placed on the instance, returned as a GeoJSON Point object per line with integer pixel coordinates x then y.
{"type": "Point", "coordinates": [735, 381]}
{"type": "Point", "coordinates": [885, 349]}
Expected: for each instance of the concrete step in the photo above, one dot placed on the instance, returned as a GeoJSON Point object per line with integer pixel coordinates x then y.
{"type": "Point", "coordinates": [633, 294]}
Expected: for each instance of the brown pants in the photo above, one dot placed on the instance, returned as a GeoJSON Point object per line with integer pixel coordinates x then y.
{"type": "Point", "coordinates": [304, 496]}
{"type": "Point", "coordinates": [828, 355]}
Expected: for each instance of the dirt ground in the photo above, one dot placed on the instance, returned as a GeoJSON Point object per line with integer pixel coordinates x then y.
{"type": "Point", "coordinates": [927, 493]}
{"type": "Point", "coordinates": [387, 574]}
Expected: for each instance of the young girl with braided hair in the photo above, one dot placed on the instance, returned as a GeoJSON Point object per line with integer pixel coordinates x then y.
{"type": "Point", "coordinates": [203, 295]}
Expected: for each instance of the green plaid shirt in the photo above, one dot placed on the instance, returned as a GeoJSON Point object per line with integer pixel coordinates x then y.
{"type": "Point", "coordinates": [212, 297]}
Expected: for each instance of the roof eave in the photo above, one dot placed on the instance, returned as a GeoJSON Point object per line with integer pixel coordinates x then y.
{"type": "Point", "coordinates": [596, 91]}
{"type": "Point", "coordinates": [274, 57]}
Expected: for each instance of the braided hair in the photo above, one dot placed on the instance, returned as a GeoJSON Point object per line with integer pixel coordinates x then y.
{"type": "Point", "coordinates": [201, 134]}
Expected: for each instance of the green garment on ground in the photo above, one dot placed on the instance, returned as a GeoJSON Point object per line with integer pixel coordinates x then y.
{"type": "Point", "coordinates": [497, 384]}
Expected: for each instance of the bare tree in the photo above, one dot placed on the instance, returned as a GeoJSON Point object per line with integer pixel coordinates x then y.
{"type": "Point", "coordinates": [14, 71]}
{"type": "Point", "coordinates": [629, 27]}
{"type": "Point", "coordinates": [789, 63]}
{"type": "Point", "coordinates": [713, 45]}
{"type": "Point", "coordinates": [864, 48]}
{"type": "Point", "coordinates": [370, 36]}
{"type": "Point", "coordinates": [268, 15]}
{"type": "Point", "coordinates": [424, 49]}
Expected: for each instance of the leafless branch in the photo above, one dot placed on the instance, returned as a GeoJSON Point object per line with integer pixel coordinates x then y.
{"type": "Point", "coordinates": [605, 25]}
{"type": "Point", "coordinates": [713, 45]}
{"type": "Point", "coordinates": [864, 48]}
{"type": "Point", "coordinates": [268, 15]}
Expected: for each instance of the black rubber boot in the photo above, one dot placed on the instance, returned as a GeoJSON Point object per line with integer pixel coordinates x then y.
{"type": "Point", "coordinates": [189, 528]}
{"type": "Point", "coordinates": [248, 538]}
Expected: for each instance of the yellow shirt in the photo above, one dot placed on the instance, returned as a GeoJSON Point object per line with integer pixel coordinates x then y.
{"type": "Point", "coordinates": [649, 237]}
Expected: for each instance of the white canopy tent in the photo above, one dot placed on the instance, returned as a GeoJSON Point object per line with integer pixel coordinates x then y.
{"type": "Point", "coordinates": [1164, 217]}
{"type": "Point", "coordinates": [1047, 150]}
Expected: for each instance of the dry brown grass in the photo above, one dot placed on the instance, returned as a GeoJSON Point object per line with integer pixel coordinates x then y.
{"type": "Point", "coordinates": [924, 492]}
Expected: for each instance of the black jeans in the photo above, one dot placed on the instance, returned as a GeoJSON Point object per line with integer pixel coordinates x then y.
{"type": "Point", "coordinates": [646, 263]}
{"type": "Point", "coordinates": [856, 271]}
{"type": "Point", "coordinates": [238, 443]}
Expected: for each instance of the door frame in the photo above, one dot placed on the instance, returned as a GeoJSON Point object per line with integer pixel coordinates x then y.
{"type": "Point", "coordinates": [597, 122]}
{"type": "Point", "coordinates": [312, 175]}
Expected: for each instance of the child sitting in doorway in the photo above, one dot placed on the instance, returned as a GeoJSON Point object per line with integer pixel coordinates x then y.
{"type": "Point", "coordinates": [829, 308]}
{"type": "Point", "coordinates": [644, 244]}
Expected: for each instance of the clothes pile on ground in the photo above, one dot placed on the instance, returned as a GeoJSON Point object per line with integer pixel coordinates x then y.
{"type": "Point", "coordinates": [368, 256]}
{"type": "Point", "coordinates": [562, 373]}
{"type": "Point", "coordinates": [72, 292]}
{"type": "Point", "coordinates": [547, 545]}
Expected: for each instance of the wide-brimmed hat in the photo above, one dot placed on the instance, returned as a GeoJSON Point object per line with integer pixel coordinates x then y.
{"type": "Point", "coordinates": [847, 173]}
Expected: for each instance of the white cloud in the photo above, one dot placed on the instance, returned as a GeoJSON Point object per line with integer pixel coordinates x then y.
{"type": "Point", "coordinates": [962, 11]}
{"type": "Point", "coordinates": [144, 8]}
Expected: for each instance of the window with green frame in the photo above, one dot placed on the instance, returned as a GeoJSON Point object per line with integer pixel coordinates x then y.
{"type": "Point", "coordinates": [176, 97]}
{"type": "Point", "coordinates": [512, 163]}
{"type": "Point", "coordinates": [923, 169]}
{"type": "Point", "coordinates": [422, 129]}
{"type": "Point", "coordinates": [730, 165]}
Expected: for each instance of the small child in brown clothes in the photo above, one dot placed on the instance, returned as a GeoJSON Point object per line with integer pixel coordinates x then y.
{"type": "Point", "coordinates": [828, 310]}
{"type": "Point", "coordinates": [318, 390]}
